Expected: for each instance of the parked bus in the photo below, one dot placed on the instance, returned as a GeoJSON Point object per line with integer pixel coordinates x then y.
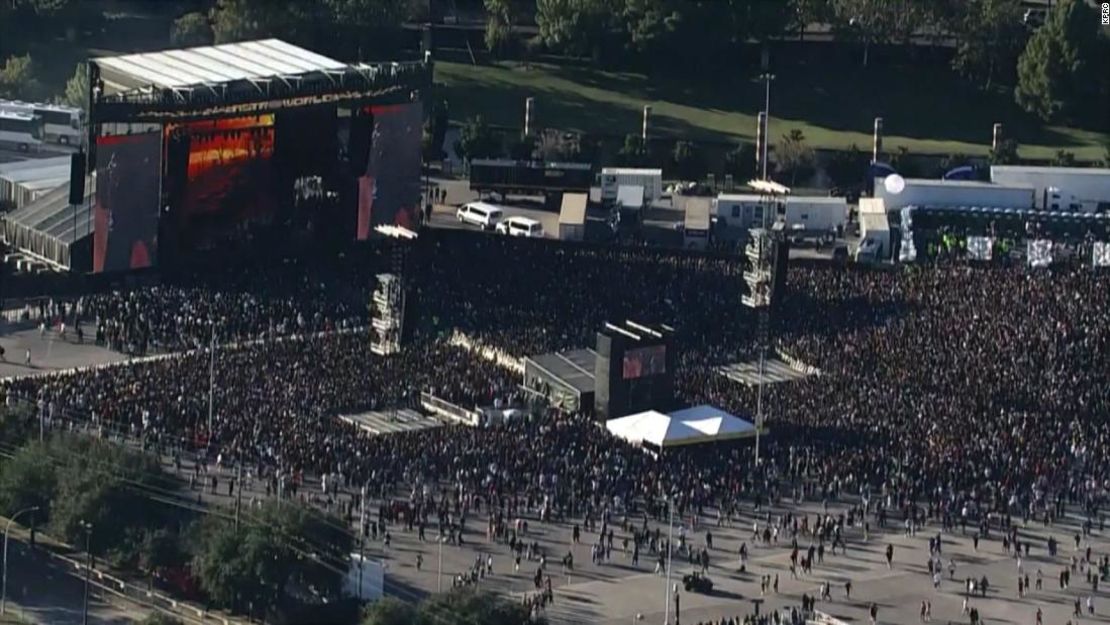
{"type": "Point", "coordinates": [61, 124]}
{"type": "Point", "coordinates": [21, 130]}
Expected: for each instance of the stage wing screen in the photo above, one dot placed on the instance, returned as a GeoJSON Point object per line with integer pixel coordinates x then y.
{"type": "Point", "coordinates": [644, 362]}
{"type": "Point", "coordinates": [389, 192]}
{"type": "Point", "coordinates": [230, 178]}
{"type": "Point", "coordinates": [126, 212]}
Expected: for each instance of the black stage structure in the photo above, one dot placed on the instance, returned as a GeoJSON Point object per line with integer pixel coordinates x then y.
{"type": "Point", "coordinates": [253, 146]}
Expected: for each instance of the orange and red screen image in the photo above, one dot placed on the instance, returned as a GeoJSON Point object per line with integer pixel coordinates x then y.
{"type": "Point", "coordinates": [230, 176]}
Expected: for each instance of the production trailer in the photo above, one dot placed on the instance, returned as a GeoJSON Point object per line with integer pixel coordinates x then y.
{"type": "Point", "coordinates": [572, 217]}
{"type": "Point", "coordinates": [509, 177]}
{"type": "Point", "coordinates": [1070, 189]}
{"type": "Point", "coordinates": [612, 178]}
{"type": "Point", "coordinates": [814, 214]}
{"type": "Point", "coordinates": [953, 193]}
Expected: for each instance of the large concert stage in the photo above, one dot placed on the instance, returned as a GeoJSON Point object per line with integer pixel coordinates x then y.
{"type": "Point", "coordinates": [253, 145]}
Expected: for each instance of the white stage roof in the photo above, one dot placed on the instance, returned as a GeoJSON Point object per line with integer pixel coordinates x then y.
{"type": "Point", "coordinates": [209, 65]}
{"type": "Point", "coordinates": [699, 424]}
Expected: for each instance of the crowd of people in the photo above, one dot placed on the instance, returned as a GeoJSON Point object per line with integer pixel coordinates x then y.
{"type": "Point", "coordinates": [946, 392]}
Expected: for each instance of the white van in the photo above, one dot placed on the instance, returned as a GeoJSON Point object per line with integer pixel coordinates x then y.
{"type": "Point", "coordinates": [521, 227]}
{"type": "Point", "coordinates": [480, 214]}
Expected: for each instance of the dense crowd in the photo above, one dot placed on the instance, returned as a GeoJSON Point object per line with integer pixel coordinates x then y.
{"type": "Point", "coordinates": [945, 391]}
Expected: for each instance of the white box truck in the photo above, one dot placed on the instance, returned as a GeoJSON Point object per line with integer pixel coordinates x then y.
{"type": "Point", "coordinates": [739, 211]}
{"type": "Point", "coordinates": [955, 193]}
{"type": "Point", "coordinates": [815, 214]}
{"type": "Point", "coordinates": [612, 178]}
{"type": "Point", "coordinates": [1071, 189]}
{"type": "Point", "coordinates": [572, 217]}
{"type": "Point", "coordinates": [874, 232]}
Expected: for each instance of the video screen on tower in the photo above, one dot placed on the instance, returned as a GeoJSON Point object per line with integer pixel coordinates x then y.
{"type": "Point", "coordinates": [230, 178]}
{"type": "Point", "coordinates": [389, 192]}
{"type": "Point", "coordinates": [644, 362]}
{"type": "Point", "coordinates": [127, 201]}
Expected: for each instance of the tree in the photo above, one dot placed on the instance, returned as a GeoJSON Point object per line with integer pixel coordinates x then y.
{"type": "Point", "coordinates": [435, 127]}
{"type": "Point", "coordinates": [877, 21]}
{"type": "Point", "coordinates": [389, 611]}
{"type": "Point", "coordinates": [633, 153]}
{"type": "Point", "coordinates": [688, 161]}
{"type": "Point", "coordinates": [501, 16]}
{"type": "Point", "coordinates": [794, 157]}
{"type": "Point", "coordinates": [238, 20]}
{"type": "Point", "coordinates": [740, 162]}
{"type": "Point", "coordinates": [476, 140]}
{"type": "Point", "coordinates": [521, 148]}
{"type": "Point", "coordinates": [28, 479]}
{"type": "Point", "coordinates": [1006, 154]}
{"type": "Point", "coordinates": [990, 37]}
{"type": "Point", "coordinates": [1056, 70]}
{"type": "Point", "coordinates": [1064, 159]}
{"type": "Point", "coordinates": [282, 544]}
{"type": "Point", "coordinates": [191, 29]}
{"type": "Point", "coordinates": [17, 79]}
{"type": "Point", "coordinates": [577, 27]}
{"type": "Point", "coordinates": [363, 25]}
{"type": "Point", "coordinates": [77, 88]}
{"type": "Point", "coordinates": [904, 163]}
{"type": "Point", "coordinates": [847, 168]}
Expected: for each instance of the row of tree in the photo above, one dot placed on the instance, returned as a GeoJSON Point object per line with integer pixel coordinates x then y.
{"type": "Point", "coordinates": [254, 561]}
{"type": "Point", "coordinates": [1053, 68]}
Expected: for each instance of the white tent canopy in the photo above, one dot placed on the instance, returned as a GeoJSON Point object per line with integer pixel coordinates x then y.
{"type": "Point", "coordinates": [699, 424]}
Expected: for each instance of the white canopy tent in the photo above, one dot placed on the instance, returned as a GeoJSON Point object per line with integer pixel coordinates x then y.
{"type": "Point", "coordinates": [699, 424]}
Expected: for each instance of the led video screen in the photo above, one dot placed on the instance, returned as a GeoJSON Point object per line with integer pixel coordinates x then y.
{"type": "Point", "coordinates": [127, 201]}
{"type": "Point", "coordinates": [644, 362]}
{"type": "Point", "coordinates": [389, 192]}
{"type": "Point", "coordinates": [229, 179]}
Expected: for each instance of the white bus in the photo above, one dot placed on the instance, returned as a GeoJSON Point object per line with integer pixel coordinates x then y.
{"type": "Point", "coordinates": [21, 130]}
{"type": "Point", "coordinates": [61, 124]}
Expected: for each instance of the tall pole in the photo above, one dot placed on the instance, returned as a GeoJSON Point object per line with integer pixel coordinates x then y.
{"type": "Point", "coordinates": [361, 537]}
{"type": "Point", "coordinates": [88, 568]}
{"type": "Point", "coordinates": [766, 109]}
{"type": "Point", "coordinates": [439, 568]}
{"type": "Point", "coordinates": [211, 381]}
{"type": "Point", "coordinates": [759, 392]}
{"type": "Point", "coordinates": [4, 590]}
{"type": "Point", "coordinates": [238, 494]}
{"type": "Point", "coordinates": [670, 550]}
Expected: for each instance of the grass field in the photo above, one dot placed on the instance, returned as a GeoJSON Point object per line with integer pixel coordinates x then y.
{"type": "Point", "coordinates": [930, 112]}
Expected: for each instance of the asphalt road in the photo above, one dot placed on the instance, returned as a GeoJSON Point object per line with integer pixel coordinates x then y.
{"type": "Point", "coordinates": [41, 592]}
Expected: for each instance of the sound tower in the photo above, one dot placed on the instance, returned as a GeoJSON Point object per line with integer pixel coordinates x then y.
{"type": "Point", "coordinates": [634, 370]}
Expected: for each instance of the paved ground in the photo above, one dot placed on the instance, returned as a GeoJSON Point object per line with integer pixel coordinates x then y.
{"type": "Point", "coordinates": [49, 353]}
{"type": "Point", "coordinates": [616, 592]}
{"type": "Point", "coordinates": [40, 592]}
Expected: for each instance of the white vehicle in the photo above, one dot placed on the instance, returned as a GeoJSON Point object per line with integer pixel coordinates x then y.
{"type": "Point", "coordinates": [521, 227]}
{"type": "Point", "coordinates": [21, 130]}
{"type": "Point", "coordinates": [480, 214]}
{"type": "Point", "coordinates": [61, 124]}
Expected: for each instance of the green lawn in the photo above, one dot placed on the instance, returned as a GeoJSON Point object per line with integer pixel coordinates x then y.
{"type": "Point", "coordinates": [931, 112]}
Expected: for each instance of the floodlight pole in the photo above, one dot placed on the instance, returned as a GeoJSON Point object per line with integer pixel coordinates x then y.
{"type": "Point", "coordinates": [670, 550]}
{"type": "Point", "coordinates": [211, 381]}
{"type": "Point", "coordinates": [767, 78]}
